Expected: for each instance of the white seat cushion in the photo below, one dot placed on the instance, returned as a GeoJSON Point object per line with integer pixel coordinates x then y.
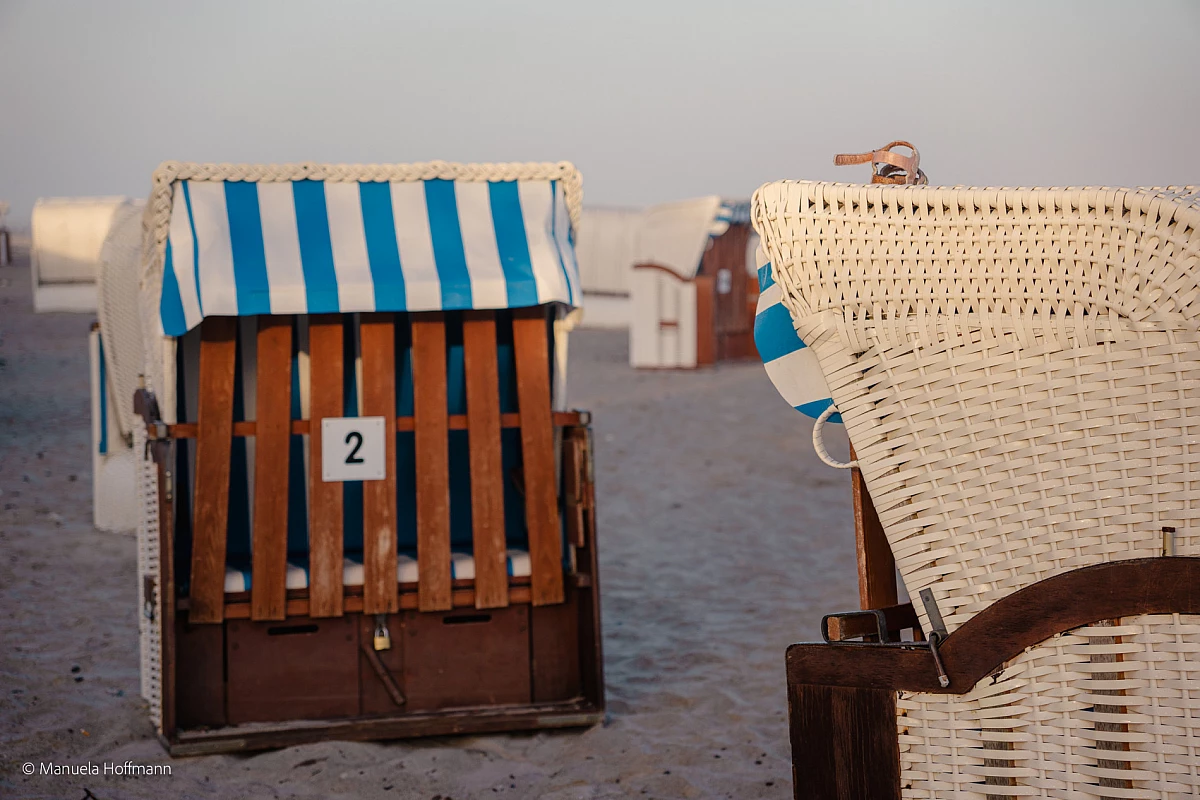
{"type": "Point", "coordinates": [462, 567]}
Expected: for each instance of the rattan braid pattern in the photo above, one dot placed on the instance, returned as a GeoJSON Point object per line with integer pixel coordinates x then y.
{"type": "Point", "coordinates": [1019, 370]}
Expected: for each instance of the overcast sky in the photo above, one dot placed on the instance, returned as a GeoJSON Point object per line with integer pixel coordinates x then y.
{"type": "Point", "coordinates": [654, 100]}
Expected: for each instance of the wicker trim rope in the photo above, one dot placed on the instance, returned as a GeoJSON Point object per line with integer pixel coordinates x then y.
{"type": "Point", "coordinates": [1018, 369]}
{"type": "Point", "coordinates": [1108, 710]}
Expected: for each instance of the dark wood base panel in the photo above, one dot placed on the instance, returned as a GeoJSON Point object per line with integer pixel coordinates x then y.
{"type": "Point", "coordinates": [245, 685]}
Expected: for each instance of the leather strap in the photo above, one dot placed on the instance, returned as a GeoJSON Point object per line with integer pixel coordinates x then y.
{"type": "Point", "coordinates": [888, 167]}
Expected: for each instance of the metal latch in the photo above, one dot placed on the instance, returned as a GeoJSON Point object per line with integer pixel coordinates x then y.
{"type": "Point", "coordinates": [937, 634]}
{"type": "Point", "coordinates": [148, 584]}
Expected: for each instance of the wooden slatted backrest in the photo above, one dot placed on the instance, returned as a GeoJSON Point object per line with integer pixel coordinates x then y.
{"type": "Point", "coordinates": [431, 423]}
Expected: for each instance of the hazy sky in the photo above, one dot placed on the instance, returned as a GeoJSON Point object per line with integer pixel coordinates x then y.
{"type": "Point", "coordinates": [654, 100]}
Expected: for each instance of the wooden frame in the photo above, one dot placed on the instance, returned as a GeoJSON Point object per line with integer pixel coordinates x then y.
{"type": "Point", "coordinates": [842, 698]}
{"type": "Point", "coordinates": [231, 676]}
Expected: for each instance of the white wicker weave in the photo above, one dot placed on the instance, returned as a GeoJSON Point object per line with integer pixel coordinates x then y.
{"type": "Point", "coordinates": [1105, 711]}
{"type": "Point", "coordinates": [1019, 370]}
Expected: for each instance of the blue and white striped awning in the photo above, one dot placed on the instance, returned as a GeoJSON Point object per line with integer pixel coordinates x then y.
{"type": "Point", "coordinates": [791, 365]}
{"type": "Point", "coordinates": [239, 248]}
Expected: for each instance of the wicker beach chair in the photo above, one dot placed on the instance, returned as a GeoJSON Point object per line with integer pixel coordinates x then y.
{"type": "Point", "coordinates": [1019, 374]}
{"type": "Point", "coordinates": [367, 510]}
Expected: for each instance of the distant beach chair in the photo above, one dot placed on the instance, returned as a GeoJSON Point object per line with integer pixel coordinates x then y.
{"type": "Point", "coordinates": [64, 258]}
{"type": "Point", "coordinates": [693, 289]}
{"type": "Point", "coordinates": [117, 358]}
{"type": "Point", "coordinates": [1017, 371]}
{"type": "Point", "coordinates": [368, 512]}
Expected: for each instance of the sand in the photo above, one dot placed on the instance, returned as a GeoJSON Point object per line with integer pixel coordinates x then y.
{"type": "Point", "coordinates": [722, 539]}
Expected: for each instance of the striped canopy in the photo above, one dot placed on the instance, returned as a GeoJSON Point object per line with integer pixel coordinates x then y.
{"type": "Point", "coordinates": [790, 364]}
{"type": "Point", "coordinates": [245, 247]}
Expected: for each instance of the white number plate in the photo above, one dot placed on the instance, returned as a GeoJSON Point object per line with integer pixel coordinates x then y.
{"type": "Point", "coordinates": [353, 449]}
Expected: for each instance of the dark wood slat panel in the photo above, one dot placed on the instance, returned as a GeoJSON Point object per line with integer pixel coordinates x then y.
{"type": "Point", "coordinates": [844, 743]}
{"type": "Point", "coordinates": [432, 452]}
{"type": "Point", "coordinates": [325, 499]}
{"type": "Point", "coordinates": [214, 442]}
{"type": "Point", "coordinates": [272, 444]}
{"type": "Point", "coordinates": [377, 335]}
{"type": "Point", "coordinates": [487, 471]}
{"type": "Point", "coordinates": [532, 351]}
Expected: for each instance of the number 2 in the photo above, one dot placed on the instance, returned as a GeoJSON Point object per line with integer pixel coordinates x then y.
{"type": "Point", "coordinates": [353, 457]}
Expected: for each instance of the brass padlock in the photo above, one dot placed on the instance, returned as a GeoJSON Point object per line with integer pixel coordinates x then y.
{"type": "Point", "coordinates": [383, 639]}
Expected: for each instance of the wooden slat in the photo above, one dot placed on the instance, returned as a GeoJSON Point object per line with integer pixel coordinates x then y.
{"type": "Point", "coordinates": [324, 499]}
{"type": "Point", "coordinates": [706, 330]}
{"type": "Point", "coordinates": [532, 350]}
{"type": "Point", "coordinates": [458, 422]}
{"type": "Point", "coordinates": [844, 743]}
{"type": "Point", "coordinates": [272, 444]}
{"type": "Point", "coordinates": [876, 565]}
{"type": "Point", "coordinates": [214, 441]}
{"type": "Point", "coordinates": [432, 453]}
{"type": "Point", "coordinates": [377, 334]}
{"type": "Point", "coordinates": [487, 470]}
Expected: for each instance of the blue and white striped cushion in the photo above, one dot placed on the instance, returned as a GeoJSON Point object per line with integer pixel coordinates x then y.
{"type": "Point", "coordinates": [791, 366]}
{"type": "Point", "coordinates": [462, 567]}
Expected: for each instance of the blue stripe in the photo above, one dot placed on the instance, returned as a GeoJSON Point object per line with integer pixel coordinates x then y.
{"type": "Point", "coordinates": [187, 202]}
{"type": "Point", "coordinates": [765, 281]}
{"type": "Point", "coordinates": [170, 305]}
{"type": "Point", "coordinates": [562, 265]}
{"type": "Point", "coordinates": [316, 250]}
{"type": "Point", "coordinates": [512, 244]}
{"type": "Point", "coordinates": [103, 399]}
{"type": "Point", "coordinates": [816, 408]}
{"type": "Point", "coordinates": [379, 229]}
{"type": "Point", "coordinates": [774, 335]}
{"type": "Point", "coordinates": [448, 251]}
{"type": "Point", "coordinates": [246, 243]}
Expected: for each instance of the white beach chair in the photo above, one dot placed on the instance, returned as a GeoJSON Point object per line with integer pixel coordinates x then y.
{"type": "Point", "coordinates": [1019, 375]}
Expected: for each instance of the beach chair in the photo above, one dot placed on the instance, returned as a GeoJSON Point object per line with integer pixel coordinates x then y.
{"type": "Point", "coordinates": [692, 290]}
{"type": "Point", "coordinates": [1017, 371]}
{"type": "Point", "coordinates": [116, 359]}
{"type": "Point", "coordinates": [367, 511]}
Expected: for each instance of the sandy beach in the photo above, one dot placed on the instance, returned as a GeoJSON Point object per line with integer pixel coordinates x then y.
{"type": "Point", "coordinates": [722, 539]}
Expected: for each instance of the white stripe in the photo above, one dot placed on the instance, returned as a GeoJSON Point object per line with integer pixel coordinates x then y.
{"type": "Point", "coordinates": [422, 289]}
{"type": "Point", "coordinates": [281, 243]}
{"type": "Point", "coordinates": [773, 296]}
{"type": "Point", "coordinates": [798, 377]}
{"type": "Point", "coordinates": [182, 249]}
{"type": "Point", "coordinates": [356, 291]}
{"type": "Point", "coordinates": [562, 237]}
{"type": "Point", "coordinates": [488, 286]}
{"type": "Point", "coordinates": [535, 208]}
{"type": "Point", "coordinates": [218, 288]}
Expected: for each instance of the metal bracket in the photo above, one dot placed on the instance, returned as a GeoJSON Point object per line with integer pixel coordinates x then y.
{"type": "Point", "coordinates": [881, 624]}
{"type": "Point", "coordinates": [937, 634]}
